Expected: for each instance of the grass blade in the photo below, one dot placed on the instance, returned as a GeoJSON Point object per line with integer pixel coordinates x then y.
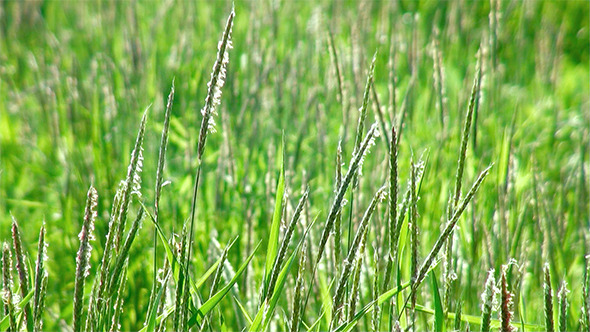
{"type": "Point", "coordinates": [215, 299]}
{"type": "Point", "coordinates": [273, 241]}
{"type": "Point", "coordinates": [439, 315]}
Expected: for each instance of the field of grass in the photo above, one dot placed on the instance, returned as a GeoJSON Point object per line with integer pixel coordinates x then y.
{"type": "Point", "coordinates": [295, 165]}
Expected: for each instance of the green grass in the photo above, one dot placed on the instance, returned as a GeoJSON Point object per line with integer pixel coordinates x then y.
{"type": "Point", "coordinates": [76, 78]}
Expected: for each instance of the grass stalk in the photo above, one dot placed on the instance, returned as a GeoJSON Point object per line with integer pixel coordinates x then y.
{"type": "Point", "coordinates": [131, 181]}
{"type": "Point", "coordinates": [356, 277]}
{"type": "Point", "coordinates": [414, 243]}
{"type": "Point", "coordinates": [40, 280]}
{"type": "Point", "coordinates": [363, 110]}
{"type": "Point", "coordinates": [285, 244]}
{"type": "Point", "coordinates": [159, 181]}
{"type": "Point", "coordinates": [118, 268]}
{"type": "Point", "coordinates": [352, 256]}
{"type": "Point", "coordinates": [457, 324]}
{"type": "Point", "coordinates": [487, 298]}
{"type": "Point", "coordinates": [9, 309]}
{"type": "Point", "coordinates": [355, 165]}
{"type": "Point", "coordinates": [549, 323]}
{"type": "Point", "coordinates": [376, 319]}
{"type": "Point", "coordinates": [449, 275]}
{"type": "Point", "coordinates": [83, 256]}
{"type": "Point", "coordinates": [177, 323]}
{"type": "Point", "coordinates": [450, 226]}
{"type": "Point", "coordinates": [338, 221]}
{"type": "Point", "coordinates": [23, 274]}
{"type": "Point", "coordinates": [506, 304]}
{"type": "Point", "coordinates": [212, 100]}
{"type": "Point", "coordinates": [297, 298]}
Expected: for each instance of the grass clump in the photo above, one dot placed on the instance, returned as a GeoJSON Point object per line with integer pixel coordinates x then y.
{"type": "Point", "coordinates": [229, 238]}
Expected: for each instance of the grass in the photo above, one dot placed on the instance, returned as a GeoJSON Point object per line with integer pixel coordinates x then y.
{"type": "Point", "coordinates": [472, 118]}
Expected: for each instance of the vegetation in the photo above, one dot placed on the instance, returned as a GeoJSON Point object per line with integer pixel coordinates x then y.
{"type": "Point", "coordinates": [192, 165]}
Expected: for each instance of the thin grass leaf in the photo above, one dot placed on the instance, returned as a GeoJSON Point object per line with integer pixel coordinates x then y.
{"type": "Point", "coordinates": [153, 312]}
{"type": "Point", "coordinates": [243, 310]}
{"type": "Point", "coordinates": [6, 323]}
{"type": "Point", "coordinates": [338, 221]}
{"type": "Point", "coordinates": [285, 243]}
{"type": "Point", "coordinates": [282, 278]}
{"type": "Point", "coordinates": [198, 316]}
{"type": "Point", "coordinates": [439, 315]}
{"type": "Point", "coordinates": [348, 326]}
{"type": "Point", "coordinates": [267, 307]}
{"type": "Point", "coordinates": [273, 240]}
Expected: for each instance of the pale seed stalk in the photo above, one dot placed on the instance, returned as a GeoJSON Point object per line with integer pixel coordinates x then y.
{"type": "Point", "coordinates": [488, 299]}
{"type": "Point", "coordinates": [473, 101]}
{"type": "Point", "coordinates": [208, 124]}
{"type": "Point", "coordinates": [131, 181]}
{"type": "Point", "coordinates": [100, 283]}
{"type": "Point", "coordinates": [380, 116]}
{"type": "Point", "coordinates": [159, 181]}
{"type": "Point", "coordinates": [563, 306]}
{"type": "Point", "coordinates": [449, 227]}
{"type": "Point", "coordinates": [83, 257]}
{"type": "Point", "coordinates": [363, 110]}
{"type": "Point", "coordinates": [376, 319]}
{"type": "Point", "coordinates": [355, 165]}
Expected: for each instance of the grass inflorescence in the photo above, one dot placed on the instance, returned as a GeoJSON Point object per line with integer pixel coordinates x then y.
{"type": "Point", "coordinates": [302, 214]}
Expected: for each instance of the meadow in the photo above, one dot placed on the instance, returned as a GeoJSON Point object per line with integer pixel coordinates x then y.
{"type": "Point", "coordinates": [295, 165]}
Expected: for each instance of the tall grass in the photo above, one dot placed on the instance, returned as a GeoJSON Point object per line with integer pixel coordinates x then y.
{"type": "Point", "coordinates": [239, 224]}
